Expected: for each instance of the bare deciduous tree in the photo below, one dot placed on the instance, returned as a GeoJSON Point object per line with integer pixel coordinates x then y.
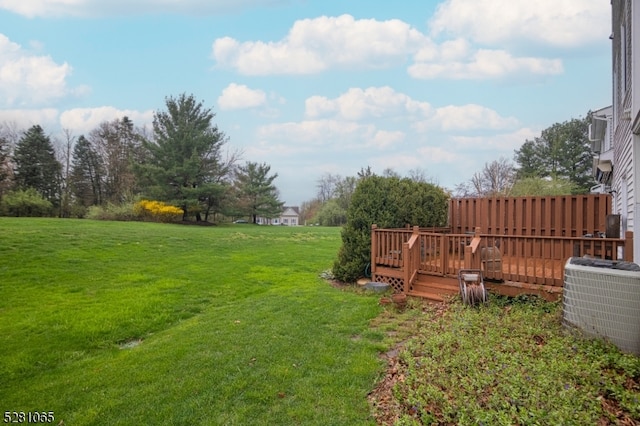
{"type": "Point", "coordinates": [65, 154]}
{"type": "Point", "coordinates": [495, 179]}
{"type": "Point", "coordinates": [9, 136]}
{"type": "Point", "coordinates": [327, 186]}
{"type": "Point", "coordinates": [116, 143]}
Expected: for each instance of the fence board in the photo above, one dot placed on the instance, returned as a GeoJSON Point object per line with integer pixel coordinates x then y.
{"type": "Point", "coordinates": [567, 216]}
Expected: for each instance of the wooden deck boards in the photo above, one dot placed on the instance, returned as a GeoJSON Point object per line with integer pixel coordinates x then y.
{"type": "Point", "coordinates": [550, 271]}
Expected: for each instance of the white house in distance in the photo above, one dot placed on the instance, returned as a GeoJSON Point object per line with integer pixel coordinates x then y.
{"type": "Point", "coordinates": [615, 130]}
{"type": "Point", "coordinates": [290, 216]}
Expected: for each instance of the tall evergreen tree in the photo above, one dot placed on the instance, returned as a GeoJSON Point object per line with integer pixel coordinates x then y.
{"type": "Point", "coordinates": [86, 174]}
{"type": "Point", "coordinates": [183, 164]}
{"type": "Point", "coordinates": [258, 195]}
{"type": "Point", "coordinates": [36, 165]}
{"type": "Point", "coordinates": [562, 151]}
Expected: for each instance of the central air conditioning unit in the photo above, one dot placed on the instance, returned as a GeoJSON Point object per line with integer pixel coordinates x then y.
{"type": "Point", "coordinates": [602, 298]}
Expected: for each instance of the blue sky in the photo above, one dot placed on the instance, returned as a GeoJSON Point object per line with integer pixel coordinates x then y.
{"type": "Point", "coordinates": [314, 87]}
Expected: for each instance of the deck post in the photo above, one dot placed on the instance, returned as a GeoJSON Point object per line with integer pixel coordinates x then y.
{"type": "Point", "coordinates": [374, 250]}
{"type": "Point", "coordinates": [444, 254]}
{"type": "Point", "coordinates": [406, 268]}
{"type": "Point", "coordinates": [470, 251]}
{"type": "Point", "coordinates": [408, 262]}
{"type": "Point", "coordinates": [413, 264]}
{"type": "Point", "coordinates": [628, 246]}
{"type": "Point", "coordinates": [467, 257]}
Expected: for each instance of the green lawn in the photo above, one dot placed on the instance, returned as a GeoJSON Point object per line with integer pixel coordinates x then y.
{"type": "Point", "coordinates": [142, 323]}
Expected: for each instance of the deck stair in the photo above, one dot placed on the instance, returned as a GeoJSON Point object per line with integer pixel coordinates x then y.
{"type": "Point", "coordinates": [434, 288]}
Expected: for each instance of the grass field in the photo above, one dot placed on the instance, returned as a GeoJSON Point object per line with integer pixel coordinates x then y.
{"type": "Point", "coordinates": [141, 323]}
{"type": "Point", "coordinates": [122, 323]}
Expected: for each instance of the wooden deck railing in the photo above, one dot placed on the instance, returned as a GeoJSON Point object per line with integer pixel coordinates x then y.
{"type": "Point", "coordinates": [411, 256]}
{"type": "Point", "coordinates": [539, 260]}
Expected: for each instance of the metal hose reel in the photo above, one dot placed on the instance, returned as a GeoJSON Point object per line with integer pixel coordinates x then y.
{"type": "Point", "coordinates": [472, 288]}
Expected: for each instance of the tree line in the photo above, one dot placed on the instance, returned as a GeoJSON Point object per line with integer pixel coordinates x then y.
{"type": "Point", "coordinates": [181, 161]}
{"type": "Point", "coordinates": [558, 162]}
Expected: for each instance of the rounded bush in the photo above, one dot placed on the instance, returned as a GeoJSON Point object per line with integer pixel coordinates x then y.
{"type": "Point", "coordinates": [389, 202]}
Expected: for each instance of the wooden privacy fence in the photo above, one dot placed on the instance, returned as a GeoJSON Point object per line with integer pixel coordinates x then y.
{"type": "Point", "coordinates": [567, 216]}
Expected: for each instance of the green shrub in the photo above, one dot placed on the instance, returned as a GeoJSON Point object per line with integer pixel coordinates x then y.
{"type": "Point", "coordinates": [331, 214]}
{"type": "Point", "coordinates": [389, 202]}
{"type": "Point", "coordinates": [122, 212]}
{"type": "Point", "coordinates": [78, 211]}
{"type": "Point", "coordinates": [25, 202]}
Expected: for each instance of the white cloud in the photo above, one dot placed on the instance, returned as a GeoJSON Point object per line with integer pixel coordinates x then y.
{"type": "Point", "coordinates": [431, 158]}
{"type": "Point", "coordinates": [506, 142]}
{"type": "Point", "coordinates": [28, 79]}
{"type": "Point", "coordinates": [259, 58]}
{"type": "Point", "coordinates": [83, 120]}
{"type": "Point", "coordinates": [437, 154]}
{"type": "Point", "coordinates": [373, 102]}
{"type": "Point", "coordinates": [486, 64]}
{"type": "Point", "coordinates": [25, 118]}
{"type": "Point", "coordinates": [398, 162]}
{"type": "Point", "coordinates": [239, 96]}
{"type": "Point", "coordinates": [320, 44]}
{"type": "Point", "coordinates": [320, 106]}
{"type": "Point", "coordinates": [469, 117]}
{"type": "Point", "coordinates": [463, 118]}
{"type": "Point", "coordinates": [314, 45]}
{"type": "Point", "coordinates": [383, 139]}
{"type": "Point", "coordinates": [334, 133]}
{"type": "Point", "coordinates": [564, 24]}
{"type": "Point", "coordinates": [83, 8]}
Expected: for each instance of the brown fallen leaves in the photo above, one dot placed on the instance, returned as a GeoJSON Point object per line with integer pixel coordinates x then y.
{"type": "Point", "coordinates": [386, 408]}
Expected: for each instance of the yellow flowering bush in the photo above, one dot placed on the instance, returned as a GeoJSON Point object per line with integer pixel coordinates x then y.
{"type": "Point", "coordinates": [157, 211]}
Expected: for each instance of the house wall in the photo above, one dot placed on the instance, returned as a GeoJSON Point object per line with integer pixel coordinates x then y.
{"type": "Point", "coordinates": [626, 103]}
{"type": "Point", "coordinates": [289, 220]}
{"type": "Point", "coordinates": [635, 65]}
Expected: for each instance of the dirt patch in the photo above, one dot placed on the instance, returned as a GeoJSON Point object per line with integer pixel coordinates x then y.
{"type": "Point", "coordinates": [333, 282]}
{"type": "Point", "coordinates": [129, 344]}
{"type": "Point", "coordinates": [386, 408]}
{"type": "Point", "coordinates": [196, 223]}
{"type": "Point", "coordinates": [339, 284]}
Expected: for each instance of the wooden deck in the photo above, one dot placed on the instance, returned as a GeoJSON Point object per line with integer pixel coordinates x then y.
{"type": "Point", "coordinates": [426, 264]}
